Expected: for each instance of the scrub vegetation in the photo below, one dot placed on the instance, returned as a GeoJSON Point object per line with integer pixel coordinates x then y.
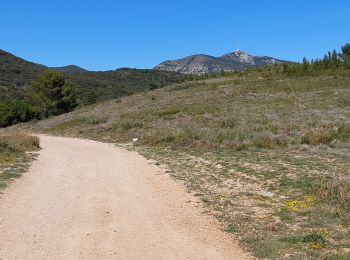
{"type": "Point", "coordinates": [268, 152]}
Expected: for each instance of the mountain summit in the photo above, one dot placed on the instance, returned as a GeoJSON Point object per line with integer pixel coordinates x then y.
{"type": "Point", "coordinates": [201, 63]}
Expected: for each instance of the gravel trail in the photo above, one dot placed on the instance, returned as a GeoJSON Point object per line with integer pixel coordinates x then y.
{"type": "Point", "coordinates": [88, 200]}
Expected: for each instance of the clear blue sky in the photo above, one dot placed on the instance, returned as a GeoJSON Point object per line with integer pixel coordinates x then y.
{"type": "Point", "coordinates": [106, 34]}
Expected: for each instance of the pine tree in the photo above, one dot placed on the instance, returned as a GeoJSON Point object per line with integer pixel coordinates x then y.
{"type": "Point", "coordinates": [53, 94]}
{"type": "Point", "coordinates": [306, 64]}
{"type": "Point", "coordinates": [346, 55]}
{"type": "Point", "coordinates": [334, 59]}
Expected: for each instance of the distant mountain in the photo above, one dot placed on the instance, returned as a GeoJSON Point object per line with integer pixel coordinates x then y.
{"type": "Point", "coordinates": [201, 63]}
{"type": "Point", "coordinates": [70, 69]}
{"type": "Point", "coordinates": [16, 75]}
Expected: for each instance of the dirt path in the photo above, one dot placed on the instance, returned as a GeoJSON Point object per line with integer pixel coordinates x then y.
{"type": "Point", "coordinates": [88, 200]}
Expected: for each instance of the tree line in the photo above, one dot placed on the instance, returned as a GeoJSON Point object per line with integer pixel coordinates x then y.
{"type": "Point", "coordinates": [331, 61]}
{"type": "Point", "coordinates": [51, 94]}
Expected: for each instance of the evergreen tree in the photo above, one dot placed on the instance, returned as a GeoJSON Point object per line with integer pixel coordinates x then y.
{"type": "Point", "coordinates": [325, 61]}
{"type": "Point", "coordinates": [14, 111]}
{"type": "Point", "coordinates": [346, 50]}
{"type": "Point", "coordinates": [306, 64]}
{"type": "Point", "coordinates": [334, 59]}
{"type": "Point", "coordinates": [346, 55]}
{"type": "Point", "coordinates": [53, 94]}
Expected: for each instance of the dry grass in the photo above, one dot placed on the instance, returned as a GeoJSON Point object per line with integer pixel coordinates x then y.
{"type": "Point", "coordinates": [253, 146]}
{"type": "Point", "coordinates": [14, 156]}
{"type": "Point", "coordinates": [335, 190]}
{"type": "Point", "coordinates": [316, 138]}
{"type": "Point", "coordinates": [20, 141]}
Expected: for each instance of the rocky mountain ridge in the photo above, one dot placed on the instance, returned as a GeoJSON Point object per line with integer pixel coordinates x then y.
{"type": "Point", "coordinates": [202, 63]}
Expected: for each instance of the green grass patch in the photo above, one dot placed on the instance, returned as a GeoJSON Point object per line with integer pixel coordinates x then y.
{"type": "Point", "coordinates": [75, 122]}
{"type": "Point", "coordinates": [125, 125]}
{"type": "Point", "coordinates": [231, 229]}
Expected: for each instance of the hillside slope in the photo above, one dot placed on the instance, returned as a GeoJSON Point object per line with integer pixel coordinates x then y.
{"type": "Point", "coordinates": [268, 154]}
{"type": "Point", "coordinates": [202, 64]}
{"type": "Point", "coordinates": [16, 75]}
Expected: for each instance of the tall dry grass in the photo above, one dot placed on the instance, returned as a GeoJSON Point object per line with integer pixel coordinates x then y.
{"type": "Point", "coordinates": [19, 142]}
{"type": "Point", "coordinates": [335, 190]}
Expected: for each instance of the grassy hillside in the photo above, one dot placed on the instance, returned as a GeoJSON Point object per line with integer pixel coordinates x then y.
{"type": "Point", "coordinates": [268, 154]}
{"type": "Point", "coordinates": [16, 75]}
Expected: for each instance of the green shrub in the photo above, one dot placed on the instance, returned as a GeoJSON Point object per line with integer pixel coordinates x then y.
{"type": "Point", "coordinates": [264, 143]}
{"type": "Point", "coordinates": [229, 123]}
{"type": "Point", "coordinates": [268, 141]}
{"type": "Point", "coordinates": [231, 229]}
{"type": "Point", "coordinates": [314, 238]}
{"type": "Point", "coordinates": [14, 111]}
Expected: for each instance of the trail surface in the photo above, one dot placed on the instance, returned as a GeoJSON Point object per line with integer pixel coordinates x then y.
{"type": "Point", "coordinates": [88, 200]}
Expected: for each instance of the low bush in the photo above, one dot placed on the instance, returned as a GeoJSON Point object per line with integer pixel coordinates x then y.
{"type": "Point", "coordinates": [264, 142]}
{"type": "Point", "coordinates": [14, 111]}
{"type": "Point", "coordinates": [335, 191]}
{"type": "Point", "coordinates": [317, 137]}
{"type": "Point", "coordinates": [125, 125]}
{"type": "Point", "coordinates": [341, 133]}
{"type": "Point", "coordinates": [229, 123]}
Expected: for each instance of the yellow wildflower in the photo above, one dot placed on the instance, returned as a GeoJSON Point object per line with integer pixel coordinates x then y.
{"type": "Point", "coordinates": [322, 231]}
{"type": "Point", "coordinates": [315, 245]}
{"type": "Point", "coordinates": [296, 205]}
